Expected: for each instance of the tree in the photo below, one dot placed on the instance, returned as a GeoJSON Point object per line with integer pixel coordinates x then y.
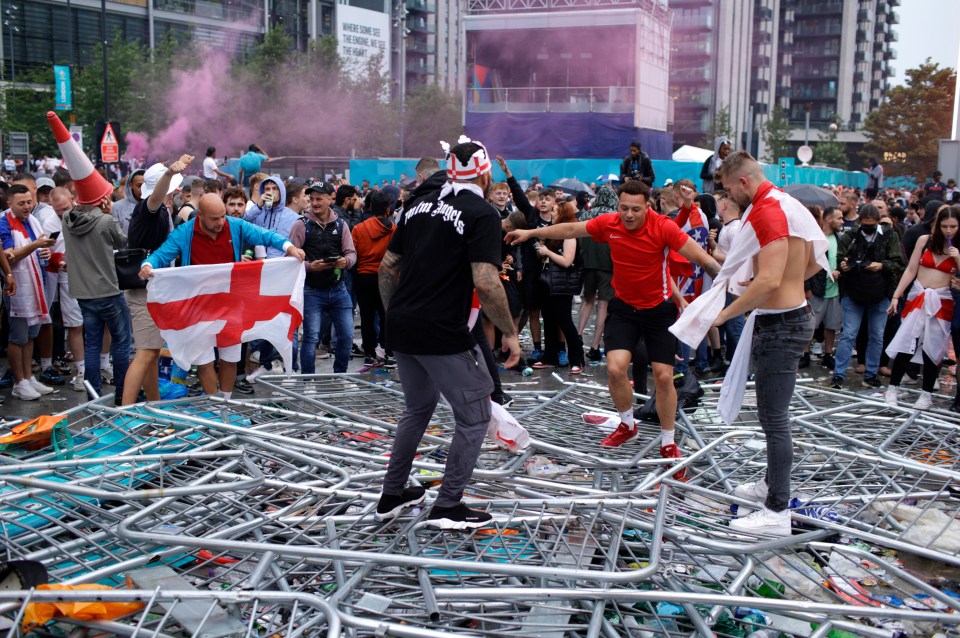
{"type": "Point", "coordinates": [776, 133]}
{"type": "Point", "coordinates": [904, 132]}
{"type": "Point", "coordinates": [828, 150]}
{"type": "Point", "coordinates": [720, 127]}
{"type": "Point", "coordinates": [25, 106]}
{"type": "Point", "coordinates": [432, 115]}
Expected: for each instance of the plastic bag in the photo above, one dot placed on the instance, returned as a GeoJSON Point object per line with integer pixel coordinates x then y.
{"type": "Point", "coordinates": [505, 431]}
{"type": "Point", "coordinates": [38, 614]}
{"type": "Point", "coordinates": [38, 433]}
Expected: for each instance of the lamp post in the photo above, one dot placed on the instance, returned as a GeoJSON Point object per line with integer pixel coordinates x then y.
{"type": "Point", "coordinates": [401, 22]}
{"type": "Point", "coordinates": [106, 88]}
{"type": "Point", "coordinates": [8, 22]}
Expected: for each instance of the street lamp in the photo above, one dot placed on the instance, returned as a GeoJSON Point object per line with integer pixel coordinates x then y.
{"type": "Point", "coordinates": [8, 22]}
{"type": "Point", "coordinates": [400, 21]}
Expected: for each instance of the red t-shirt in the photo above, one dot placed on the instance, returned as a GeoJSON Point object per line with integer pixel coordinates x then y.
{"type": "Point", "coordinates": [641, 273]}
{"type": "Point", "coordinates": [204, 250]}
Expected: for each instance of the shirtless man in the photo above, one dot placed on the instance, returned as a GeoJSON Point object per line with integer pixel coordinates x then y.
{"type": "Point", "coordinates": [784, 325]}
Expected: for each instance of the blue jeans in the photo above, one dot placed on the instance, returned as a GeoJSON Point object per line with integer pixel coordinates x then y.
{"type": "Point", "coordinates": [113, 313]}
{"type": "Point", "coordinates": [777, 346]}
{"type": "Point", "coordinates": [876, 321]}
{"type": "Point", "coordinates": [732, 329]}
{"type": "Point", "coordinates": [700, 361]}
{"type": "Point", "coordinates": [334, 302]}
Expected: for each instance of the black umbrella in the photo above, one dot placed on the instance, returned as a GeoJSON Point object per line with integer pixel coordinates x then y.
{"type": "Point", "coordinates": [810, 195]}
{"type": "Point", "coordinates": [572, 186]}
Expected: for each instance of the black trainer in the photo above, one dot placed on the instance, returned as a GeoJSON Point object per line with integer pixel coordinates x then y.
{"type": "Point", "coordinates": [390, 506]}
{"type": "Point", "coordinates": [594, 355]}
{"type": "Point", "coordinates": [457, 517]}
{"type": "Point", "coordinates": [873, 381]}
{"type": "Point", "coordinates": [804, 361]}
{"type": "Point", "coordinates": [836, 382]}
{"type": "Point", "coordinates": [502, 398]}
{"type": "Point", "coordinates": [242, 386]}
{"type": "Point", "coordinates": [828, 361]}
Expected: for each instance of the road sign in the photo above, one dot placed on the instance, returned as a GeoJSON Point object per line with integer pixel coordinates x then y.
{"type": "Point", "coordinates": [109, 146]}
{"type": "Point", "coordinates": [76, 132]}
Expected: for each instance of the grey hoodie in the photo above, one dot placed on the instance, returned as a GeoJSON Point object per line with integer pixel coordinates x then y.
{"type": "Point", "coordinates": [277, 218]}
{"type": "Point", "coordinates": [91, 237]}
{"type": "Point", "coordinates": [124, 208]}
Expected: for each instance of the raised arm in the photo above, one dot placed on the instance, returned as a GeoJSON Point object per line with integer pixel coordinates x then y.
{"type": "Point", "coordinates": [163, 184]}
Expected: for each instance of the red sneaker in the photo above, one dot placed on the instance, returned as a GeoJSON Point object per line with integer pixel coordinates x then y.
{"type": "Point", "coordinates": [621, 435]}
{"type": "Point", "coordinates": [673, 452]}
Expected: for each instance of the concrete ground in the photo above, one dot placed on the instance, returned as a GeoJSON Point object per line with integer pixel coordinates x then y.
{"type": "Point", "coordinates": [65, 397]}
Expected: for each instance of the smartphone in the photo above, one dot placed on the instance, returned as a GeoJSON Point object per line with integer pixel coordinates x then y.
{"type": "Point", "coordinates": [54, 235]}
{"type": "Point", "coordinates": [330, 260]}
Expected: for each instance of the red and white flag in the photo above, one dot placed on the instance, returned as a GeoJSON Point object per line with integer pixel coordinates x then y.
{"type": "Point", "coordinates": [199, 307]}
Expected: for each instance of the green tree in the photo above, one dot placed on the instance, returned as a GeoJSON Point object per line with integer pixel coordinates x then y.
{"type": "Point", "coordinates": [25, 107]}
{"type": "Point", "coordinates": [272, 53]}
{"type": "Point", "coordinates": [904, 132]}
{"type": "Point", "coordinates": [431, 114]}
{"type": "Point", "coordinates": [828, 150]}
{"type": "Point", "coordinates": [776, 133]}
{"type": "Point", "coordinates": [720, 127]}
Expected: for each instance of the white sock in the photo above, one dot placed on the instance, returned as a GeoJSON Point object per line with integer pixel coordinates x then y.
{"type": "Point", "coordinates": [45, 363]}
{"type": "Point", "coordinates": [667, 437]}
{"type": "Point", "coordinates": [627, 417]}
{"type": "Point", "coordinates": [104, 360]}
{"type": "Point", "coordinates": [81, 366]}
{"type": "Point", "coordinates": [226, 395]}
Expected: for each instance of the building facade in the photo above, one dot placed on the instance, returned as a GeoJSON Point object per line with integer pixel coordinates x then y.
{"type": "Point", "coordinates": [826, 58]}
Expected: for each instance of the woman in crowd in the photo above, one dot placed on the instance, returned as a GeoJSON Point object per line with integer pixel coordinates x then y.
{"type": "Point", "coordinates": [925, 326]}
{"type": "Point", "coordinates": [557, 307]}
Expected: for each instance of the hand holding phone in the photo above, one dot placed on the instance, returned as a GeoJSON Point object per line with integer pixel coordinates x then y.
{"type": "Point", "coordinates": [55, 234]}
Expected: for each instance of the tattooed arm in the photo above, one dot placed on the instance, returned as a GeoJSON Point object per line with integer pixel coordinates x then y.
{"type": "Point", "coordinates": [388, 276]}
{"type": "Point", "coordinates": [486, 281]}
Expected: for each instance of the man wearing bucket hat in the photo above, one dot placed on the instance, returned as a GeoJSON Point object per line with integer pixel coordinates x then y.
{"type": "Point", "coordinates": [150, 224]}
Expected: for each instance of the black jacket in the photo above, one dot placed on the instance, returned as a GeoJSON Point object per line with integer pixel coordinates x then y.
{"type": "Point", "coordinates": [647, 175]}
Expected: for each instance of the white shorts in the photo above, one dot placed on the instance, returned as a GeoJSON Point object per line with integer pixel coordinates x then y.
{"type": "Point", "coordinates": [56, 287]}
{"type": "Point", "coordinates": [230, 354]}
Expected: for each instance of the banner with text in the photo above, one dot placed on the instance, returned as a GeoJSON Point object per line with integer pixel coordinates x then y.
{"type": "Point", "coordinates": [362, 34]}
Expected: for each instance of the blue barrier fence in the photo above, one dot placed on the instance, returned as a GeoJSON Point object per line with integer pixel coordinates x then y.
{"type": "Point", "coordinates": [594, 170]}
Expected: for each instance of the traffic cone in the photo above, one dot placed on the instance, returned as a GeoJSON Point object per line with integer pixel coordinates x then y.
{"type": "Point", "coordinates": [91, 186]}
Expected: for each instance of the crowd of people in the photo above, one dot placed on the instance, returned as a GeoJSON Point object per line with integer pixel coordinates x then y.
{"type": "Point", "coordinates": [639, 257]}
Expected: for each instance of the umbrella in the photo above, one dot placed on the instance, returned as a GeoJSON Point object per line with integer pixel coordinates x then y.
{"type": "Point", "coordinates": [572, 186]}
{"type": "Point", "coordinates": [612, 177]}
{"type": "Point", "coordinates": [810, 195]}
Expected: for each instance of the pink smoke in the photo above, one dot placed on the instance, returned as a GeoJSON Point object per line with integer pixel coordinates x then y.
{"type": "Point", "coordinates": [138, 145]}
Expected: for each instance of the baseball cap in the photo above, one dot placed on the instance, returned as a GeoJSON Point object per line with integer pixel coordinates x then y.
{"type": "Point", "coordinates": [321, 187]}
{"type": "Point", "coordinates": [153, 175]}
{"type": "Point", "coordinates": [45, 182]}
{"type": "Point", "coordinates": [668, 182]}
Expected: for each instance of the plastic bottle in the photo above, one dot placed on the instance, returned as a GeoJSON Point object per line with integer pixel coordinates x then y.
{"type": "Point", "coordinates": [528, 371]}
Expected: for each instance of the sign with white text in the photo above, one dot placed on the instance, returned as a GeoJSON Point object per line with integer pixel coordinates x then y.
{"type": "Point", "coordinates": [361, 35]}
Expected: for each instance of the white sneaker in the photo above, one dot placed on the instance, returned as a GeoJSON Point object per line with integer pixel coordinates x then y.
{"type": "Point", "coordinates": [276, 367]}
{"type": "Point", "coordinates": [924, 402]}
{"type": "Point", "coordinates": [764, 521]}
{"type": "Point", "coordinates": [106, 374]}
{"type": "Point", "coordinates": [756, 492]}
{"type": "Point", "coordinates": [77, 383]}
{"type": "Point", "coordinates": [25, 391]}
{"type": "Point", "coordinates": [39, 387]}
{"type": "Point", "coordinates": [259, 372]}
{"type": "Point", "coordinates": [816, 349]}
{"type": "Point", "coordinates": [890, 397]}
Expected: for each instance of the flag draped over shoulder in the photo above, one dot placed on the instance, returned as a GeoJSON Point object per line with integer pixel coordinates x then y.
{"type": "Point", "coordinates": [773, 215]}
{"type": "Point", "coordinates": [197, 308]}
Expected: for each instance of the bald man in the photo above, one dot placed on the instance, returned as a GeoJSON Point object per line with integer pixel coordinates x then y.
{"type": "Point", "coordinates": [214, 238]}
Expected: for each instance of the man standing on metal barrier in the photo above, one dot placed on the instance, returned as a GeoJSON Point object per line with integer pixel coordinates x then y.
{"type": "Point", "coordinates": [645, 305]}
{"type": "Point", "coordinates": [445, 246]}
{"type": "Point", "coordinates": [786, 247]}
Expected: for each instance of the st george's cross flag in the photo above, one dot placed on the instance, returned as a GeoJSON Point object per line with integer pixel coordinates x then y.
{"type": "Point", "coordinates": [197, 308]}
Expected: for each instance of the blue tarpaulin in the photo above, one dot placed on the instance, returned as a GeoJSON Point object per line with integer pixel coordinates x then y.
{"type": "Point", "coordinates": [546, 135]}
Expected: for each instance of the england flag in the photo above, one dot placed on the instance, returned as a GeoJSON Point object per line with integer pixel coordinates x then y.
{"type": "Point", "coordinates": [198, 308]}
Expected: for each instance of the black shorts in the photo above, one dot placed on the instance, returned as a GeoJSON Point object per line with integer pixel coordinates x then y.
{"type": "Point", "coordinates": [626, 326]}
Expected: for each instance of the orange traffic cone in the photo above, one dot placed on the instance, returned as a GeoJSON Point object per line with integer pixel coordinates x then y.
{"type": "Point", "coordinates": [91, 186]}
